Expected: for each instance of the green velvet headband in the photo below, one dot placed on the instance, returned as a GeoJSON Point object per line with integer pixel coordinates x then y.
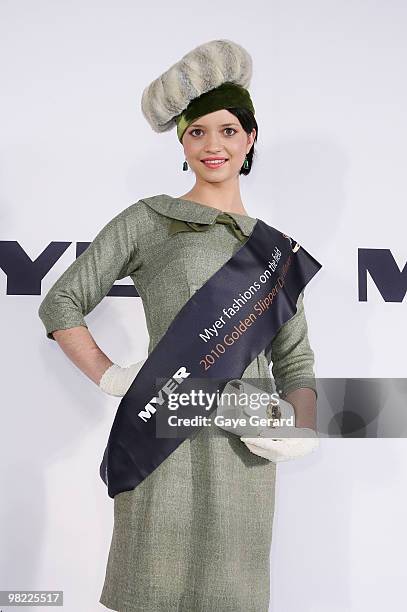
{"type": "Point", "coordinates": [227, 95]}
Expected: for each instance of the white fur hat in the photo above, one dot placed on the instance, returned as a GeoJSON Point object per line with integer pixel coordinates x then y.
{"type": "Point", "coordinates": [202, 69]}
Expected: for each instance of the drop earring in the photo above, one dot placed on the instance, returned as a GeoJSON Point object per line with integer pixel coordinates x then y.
{"type": "Point", "coordinates": [246, 163]}
{"type": "Point", "coordinates": [185, 166]}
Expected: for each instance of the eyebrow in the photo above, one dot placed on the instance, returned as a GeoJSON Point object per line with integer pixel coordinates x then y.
{"type": "Point", "coordinates": [223, 124]}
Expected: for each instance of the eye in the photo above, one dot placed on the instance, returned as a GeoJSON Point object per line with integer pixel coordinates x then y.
{"type": "Point", "coordinates": [199, 130]}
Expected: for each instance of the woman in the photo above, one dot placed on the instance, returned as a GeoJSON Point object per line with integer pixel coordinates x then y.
{"type": "Point", "coordinates": [195, 535]}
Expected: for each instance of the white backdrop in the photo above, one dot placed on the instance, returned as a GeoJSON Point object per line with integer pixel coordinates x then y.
{"type": "Point", "coordinates": [330, 102]}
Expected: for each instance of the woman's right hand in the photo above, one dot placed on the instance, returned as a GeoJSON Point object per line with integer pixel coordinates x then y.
{"type": "Point", "coordinates": [117, 380]}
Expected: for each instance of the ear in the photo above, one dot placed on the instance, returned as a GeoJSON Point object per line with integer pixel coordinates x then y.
{"type": "Point", "coordinates": [250, 138]}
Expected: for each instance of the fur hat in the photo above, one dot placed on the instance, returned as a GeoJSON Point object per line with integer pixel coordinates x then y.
{"type": "Point", "coordinates": [204, 68]}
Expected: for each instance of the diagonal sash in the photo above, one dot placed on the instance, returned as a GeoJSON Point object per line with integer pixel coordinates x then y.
{"type": "Point", "coordinates": [217, 333]}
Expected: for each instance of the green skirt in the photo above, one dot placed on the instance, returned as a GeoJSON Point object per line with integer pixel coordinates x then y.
{"type": "Point", "coordinates": [195, 535]}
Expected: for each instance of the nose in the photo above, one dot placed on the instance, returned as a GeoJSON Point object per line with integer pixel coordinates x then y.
{"type": "Point", "coordinates": [212, 144]}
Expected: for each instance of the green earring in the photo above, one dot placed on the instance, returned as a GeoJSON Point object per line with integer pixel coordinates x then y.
{"type": "Point", "coordinates": [246, 163]}
{"type": "Point", "coordinates": [185, 165]}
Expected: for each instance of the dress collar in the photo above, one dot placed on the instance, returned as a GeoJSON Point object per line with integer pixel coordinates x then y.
{"type": "Point", "coordinates": [187, 210]}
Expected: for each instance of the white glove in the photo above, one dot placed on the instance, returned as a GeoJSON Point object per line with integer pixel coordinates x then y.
{"type": "Point", "coordinates": [117, 380]}
{"type": "Point", "coordinates": [288, 442]}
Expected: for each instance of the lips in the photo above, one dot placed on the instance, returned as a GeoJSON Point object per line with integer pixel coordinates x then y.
{"type": "Point", "coordinates": [213, 158]}
{"type": "Point", "coordinates": [214, 162]}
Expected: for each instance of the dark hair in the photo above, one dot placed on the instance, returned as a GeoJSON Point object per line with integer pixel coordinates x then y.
{"type": "Point", "coordinates": [248, 122]}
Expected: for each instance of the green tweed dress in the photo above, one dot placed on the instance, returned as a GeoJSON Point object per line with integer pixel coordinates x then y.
{"type": "Point", "coordinates": [195, 535]}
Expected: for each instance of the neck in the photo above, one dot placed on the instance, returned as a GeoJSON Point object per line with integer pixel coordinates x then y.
{"type": "Point", "coordinates": [218, 196]}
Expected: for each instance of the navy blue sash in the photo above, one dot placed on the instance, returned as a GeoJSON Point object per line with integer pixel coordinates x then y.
{"type": "Point", "coordinates": [218, 332]}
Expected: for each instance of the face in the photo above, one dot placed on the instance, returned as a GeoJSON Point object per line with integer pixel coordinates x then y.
{"type": "Point", "coordinates": [219, 135]}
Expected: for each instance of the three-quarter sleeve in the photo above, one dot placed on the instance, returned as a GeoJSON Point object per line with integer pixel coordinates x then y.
{"type": "Point", "coordinates": [291, 354]}
{"type": "Point", "coordinates": [111, 256]}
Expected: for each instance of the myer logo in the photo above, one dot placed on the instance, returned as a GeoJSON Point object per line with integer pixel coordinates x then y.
{"type": "Point", "coordinates": [169, 387]}
{"type": "Point", "coordinates": [24, 275]}
{"type": "Point", "coordinates": [385, 273]}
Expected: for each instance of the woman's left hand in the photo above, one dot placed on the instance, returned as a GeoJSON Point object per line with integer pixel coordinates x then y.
{"type": "Point", "coordinates": [288, 443]}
